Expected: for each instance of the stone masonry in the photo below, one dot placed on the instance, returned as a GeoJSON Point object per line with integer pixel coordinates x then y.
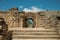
{"type": "Point", "coordinates": [45, 19]}
{"type": "Point", "coordinates": [44, 25]}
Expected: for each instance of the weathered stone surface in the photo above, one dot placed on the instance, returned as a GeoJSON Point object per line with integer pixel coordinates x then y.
{"type": "Point", "coordinates": [45, 19]}
{"type": "Point", "coordinates": [14, 19]}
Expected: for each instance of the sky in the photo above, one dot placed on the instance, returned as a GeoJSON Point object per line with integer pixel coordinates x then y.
{"type": "Point", "coordinates": [30, 5]}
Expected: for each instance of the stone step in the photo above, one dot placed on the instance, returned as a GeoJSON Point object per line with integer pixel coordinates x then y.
{"type": "Point", "coordinates": [29, 29]}
{"type": "Point", "coordinates": [35, 36]}
{"type": "Point", "coordinates": [35, 39]}
{"type": "Point", "coordinates": [35, 30]}
{"type": "Point", "coordinates": [34, 33]}
{"type": "Point", "coordinates": [59, 31]}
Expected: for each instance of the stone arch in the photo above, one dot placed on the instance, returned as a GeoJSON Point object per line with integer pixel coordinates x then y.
{"type": "Point", "coordinates": [29, 16]}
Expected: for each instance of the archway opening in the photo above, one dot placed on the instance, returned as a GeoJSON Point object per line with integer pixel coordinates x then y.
{"type": "Point", "coordinates": [30, 22]}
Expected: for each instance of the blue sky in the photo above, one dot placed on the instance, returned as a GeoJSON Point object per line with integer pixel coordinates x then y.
{"type": "Point", "coordinates": [21, 4]}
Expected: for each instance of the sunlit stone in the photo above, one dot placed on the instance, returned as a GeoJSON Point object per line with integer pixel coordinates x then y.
{"type": "Point", "coordinates": [0, 27]}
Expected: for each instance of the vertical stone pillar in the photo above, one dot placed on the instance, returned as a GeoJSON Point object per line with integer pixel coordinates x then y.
{"type": "Point", "coordinates": [21, 23]}
{"type": "Point", "coordinates": [24, 22]}
{"type": "Point", "coordinates": [37, 21]}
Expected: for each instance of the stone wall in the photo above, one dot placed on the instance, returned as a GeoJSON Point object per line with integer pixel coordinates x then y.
{"type": "Point", "coordinates": [45, 19]}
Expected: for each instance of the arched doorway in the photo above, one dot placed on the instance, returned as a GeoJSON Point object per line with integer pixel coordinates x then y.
{"type": "Point", "coordinates": [30, 22]}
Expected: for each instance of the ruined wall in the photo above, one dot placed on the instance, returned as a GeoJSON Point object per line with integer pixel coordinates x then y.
{"type": "Point", "coordinates": [48, 19]}
{"type": "Point", "coordinates": [44, 19]}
